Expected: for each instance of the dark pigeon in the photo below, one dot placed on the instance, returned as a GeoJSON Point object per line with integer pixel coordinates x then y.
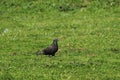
{"type": "Point", "coordinates": [51, 50]}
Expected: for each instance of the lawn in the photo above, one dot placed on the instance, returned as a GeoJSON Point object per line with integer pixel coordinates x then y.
{"type": "Point", "coordinates": [89, 40]}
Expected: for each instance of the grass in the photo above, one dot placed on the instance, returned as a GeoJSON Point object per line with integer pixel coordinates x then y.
{"type": "Point", "coordinates": [89, 41]}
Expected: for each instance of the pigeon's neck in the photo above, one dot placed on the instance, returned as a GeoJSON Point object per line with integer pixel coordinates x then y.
{"type": "Point", "coordinates": [55, 43]}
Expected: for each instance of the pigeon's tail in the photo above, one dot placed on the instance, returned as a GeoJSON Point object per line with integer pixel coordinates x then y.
{"type": "Point", "coordinates": [39, 52]}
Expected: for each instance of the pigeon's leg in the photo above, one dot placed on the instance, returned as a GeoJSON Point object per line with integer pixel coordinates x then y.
{"type": "Point", "coordinates": [50, 56]}
{"type": "Point", "coordinates": [53, 54]}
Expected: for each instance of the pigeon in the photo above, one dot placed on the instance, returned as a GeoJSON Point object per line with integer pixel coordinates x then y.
{"type": "Point", "coordinates": [51, 50]}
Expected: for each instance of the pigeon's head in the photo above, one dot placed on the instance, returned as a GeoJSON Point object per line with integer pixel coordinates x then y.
{"type": "Point", "coordinates": [56, 39]}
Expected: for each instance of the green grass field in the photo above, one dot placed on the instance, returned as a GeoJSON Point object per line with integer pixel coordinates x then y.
{"type": "Point", "coordinates": [88, 32]}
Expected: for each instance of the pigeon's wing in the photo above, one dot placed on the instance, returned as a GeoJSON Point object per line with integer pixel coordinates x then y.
{"type": "Point", "coordinates": [48, 49]}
